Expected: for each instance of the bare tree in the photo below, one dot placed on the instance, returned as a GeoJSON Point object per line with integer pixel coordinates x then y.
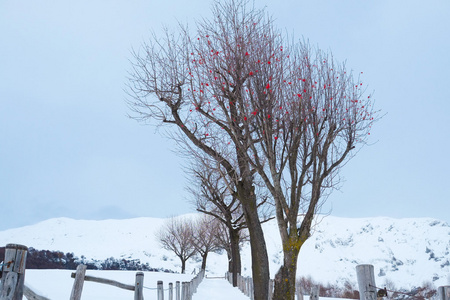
{"type": "Point", "coordinates": [176, 235]}
{"type": "Point", "coordinates": [232, 248]}
{"type": "Point", "coordinates": [197, 84]}
{"type": "Point", "coordinates": [258, 103]}
{"type": "Point", "coordinates": [214, 195]}
{"type": "Point", "coordinates": [204, 237]}
{"type": "Point", "coordinates": [311, 114]}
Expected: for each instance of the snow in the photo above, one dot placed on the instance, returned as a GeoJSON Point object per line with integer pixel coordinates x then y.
{"type": "Point", "coordinates": [407, 252]}
{"type": "Point", "coordinates": [217, 289]}
{"type": "Point", "coordinates": [57, 284]}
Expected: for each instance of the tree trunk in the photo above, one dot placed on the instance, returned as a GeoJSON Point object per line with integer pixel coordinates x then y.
{"type": "Point", "coordinates": [286, 275]}
{"type": "Point", "coordinates": [204, 256]}
{"type": "Point", "coordinates": [230, 262]}
{"type": "Point", "coordinates": [235, 255]}
{"type": "Point", "coordinates": [183, 266]}
{"type": "Point", "coordinates": [260, 260]}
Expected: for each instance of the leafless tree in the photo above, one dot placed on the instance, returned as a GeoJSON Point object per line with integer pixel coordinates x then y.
{"type": "Point", "coordinates": [205, 236]}
{"type": "Point", "coordinates": [311, 115]}
{"type": "Point", "coordinates": [258, 104]}
{"type": "Point", "coordinates": [214, 194]}
{"type": "Point", "coordinates": [176, 235]}
{"type": "Point", "coordinates": [224, 241]}
{"type": "Point", "coordinates": [196, 84]}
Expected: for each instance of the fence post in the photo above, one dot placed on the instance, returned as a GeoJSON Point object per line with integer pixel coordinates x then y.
{"type": "Point", "coordinates": [77, 287]}
{"type": "Point", "coordinates": [366, 282]}
{"type": "Point", "coordinates": [270, 289]}
{"type": "Point", "coordinates": [160, 290]}
{"type": "Point", "coordinates": [177, 290]}
{"type": "Point", "coordinates": [298, 292]}
{"type": "Point", "coordinates": [13, 272]}
{"type": "Point", "coordinates": [171, 291]}
{"type": "Point", "coordinates": [139, 286]}
{"type": "Point", "coordinates": [252, 289]}
{"type": "Point", "coordinates": [314, 293]}
{"type": "Point", "coordinates": [444, 292]}
{"type": "Point", "coordinates": [184, 291]}
{"type": "Point", "coordinates": [188, 291]}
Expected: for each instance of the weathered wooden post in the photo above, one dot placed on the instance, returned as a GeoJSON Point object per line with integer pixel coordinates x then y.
{"type": "Point", "coordinates": [271, 289]}
{"type": "Point", "coordinates": [244, 285]}
{"type": "Point", "coordinates": [139, 286]}
{"type": "Point", "coordinates": [366, 282]}
{"type": "Point", "coordinates": [184, 291]}
{"type": "Point", "coordinates": [194, 285]}
{"type": "Point", "coordinates": [77, 288]}
{"type": "Point", "coordinates": [298, 292]}
{"type": "Point", "coordinates": [160, 290]}
{"type": "Point", "coordinates": [177, 291]}
{"type": "Point", "coordinates": [314, 293]}
{"type": "Point", "coordinates": [188, 291]}
{"type": "Point", "coordinates": [13, 272]}
{"type": "Point", "coordinates": [252, 287]}
{"type": "Point", "coordinates": [171, 291]}
{"type": "Point", "coordinates": [444, 292]}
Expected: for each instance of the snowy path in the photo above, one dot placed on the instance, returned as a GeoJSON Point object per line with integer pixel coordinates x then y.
{"type": "Point", "coordinates": [217, 289]}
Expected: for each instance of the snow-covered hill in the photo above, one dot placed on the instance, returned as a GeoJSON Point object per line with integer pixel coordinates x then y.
{"type": "Point", "coordinates": [407, 252]}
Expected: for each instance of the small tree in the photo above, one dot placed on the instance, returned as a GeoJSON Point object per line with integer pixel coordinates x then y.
{"type": "Point", "coordinates": [232, 248]}
{"type": "Point", "coordinates": [176, 235]}
{"type": "Point", "coordinates": [214, 194]}
{"type": "Point", "coordinates": [205, 237]}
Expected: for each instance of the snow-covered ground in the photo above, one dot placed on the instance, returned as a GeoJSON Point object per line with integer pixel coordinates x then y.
{"type": "Point", "coordinates": [57, 284]}
{"type": "Point", "coordinates": [407, 252]}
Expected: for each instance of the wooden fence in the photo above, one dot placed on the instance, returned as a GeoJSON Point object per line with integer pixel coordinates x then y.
{"type": "Point", "coordinates": [13, 273]}
{"type": "Point", "coordinates": [368, 289]}
{"type": "Point", "coordinates": [182, 292]}
{"type": "Point", "coordinates": [245, 285]}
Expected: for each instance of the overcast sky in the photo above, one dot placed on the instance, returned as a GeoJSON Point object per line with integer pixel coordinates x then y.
{"type": "Point", "coordinates": [67, 148]}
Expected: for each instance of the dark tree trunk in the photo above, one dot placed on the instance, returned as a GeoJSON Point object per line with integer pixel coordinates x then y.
{"type": "Point", "coordinates": [260, 260]}
{"type": "Point", "coordinates": [230, 262]}
{"type": "Point", "coordinates": [204, 256]}
{"type": "Point", "coordinates": [183, 266]}
{"type": "Point", "coordinates": [235, 254]}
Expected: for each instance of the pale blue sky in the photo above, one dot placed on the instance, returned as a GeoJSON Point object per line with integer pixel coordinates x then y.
{"type": "Point", "coordinates": [68, 149]}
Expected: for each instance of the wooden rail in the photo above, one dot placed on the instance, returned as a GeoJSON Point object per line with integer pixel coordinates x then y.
{"type": "Point", "coordinates": [30, 295]}
{"type": "Point", "coordinates": [80, 277]}
{"type": "Point", "coordinates": [107, 281]}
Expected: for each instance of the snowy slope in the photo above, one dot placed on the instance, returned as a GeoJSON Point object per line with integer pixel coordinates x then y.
{"type": "Point", "coordinates": [406, 251]}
